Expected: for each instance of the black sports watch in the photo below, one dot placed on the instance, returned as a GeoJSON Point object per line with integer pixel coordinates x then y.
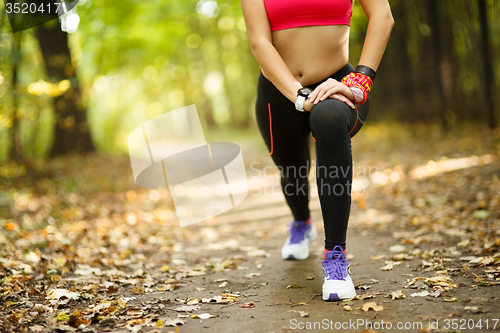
{"type": "Point", "coordinates": [302, 95]}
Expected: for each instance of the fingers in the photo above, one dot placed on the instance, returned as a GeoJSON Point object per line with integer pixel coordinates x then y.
{"type": "Point", "coordinates": [331, 88]}
{"type": "Point", "coordinates": [344, 99]}
{"type": "Point", "coordinates": [324, 90]}
{"type": "Point", "coordinates": [308, 105]}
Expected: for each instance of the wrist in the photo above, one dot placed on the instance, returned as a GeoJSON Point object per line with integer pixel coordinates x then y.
{"type": "Point", "coordinates": [349, 93]}
{"type": "Point", "coordinates": [292, 93]}
{"type": "Point", "coordinates": [359, 84]}
{"type": "Point", "coordinates": [302, 97]}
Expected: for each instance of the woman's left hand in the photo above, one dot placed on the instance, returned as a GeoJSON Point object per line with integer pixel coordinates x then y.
{"type": "Point", "coordinates": [332, 88]}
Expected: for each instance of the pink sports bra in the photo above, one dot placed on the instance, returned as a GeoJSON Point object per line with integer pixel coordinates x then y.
{"type": "Point", "coordinates": [286, 14]}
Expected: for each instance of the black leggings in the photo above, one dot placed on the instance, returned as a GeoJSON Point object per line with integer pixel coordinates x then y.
{"type": "Point", "coordinates": [286, 133]}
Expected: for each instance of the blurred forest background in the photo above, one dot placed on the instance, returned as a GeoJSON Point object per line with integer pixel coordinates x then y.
{"type": "Point", "coordinates": [72, 216]}
{"type": "Point", "coordinates": [131, 61]}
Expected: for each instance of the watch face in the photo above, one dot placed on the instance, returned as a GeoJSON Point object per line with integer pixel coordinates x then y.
{"type": "Point", "coordinates": [305, 91]}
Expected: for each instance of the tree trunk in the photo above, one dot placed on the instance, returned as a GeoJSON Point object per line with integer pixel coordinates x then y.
{"type": "Point", "coordinates": [439, 59]}
{"type": "Point", "coordinates": [15, 150]}
{"type": "Point", "coordinates": [71, 127]}
{"type": "Point", "coordinates": [403, 69]}
{"type": "Point", "coordinates": [489, 80]}
{"type": "Point", "coordinates": [447, 70]}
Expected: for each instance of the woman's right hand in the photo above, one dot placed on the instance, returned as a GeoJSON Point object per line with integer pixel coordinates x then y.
{"type": "Point", "coordinates": [308, 105]}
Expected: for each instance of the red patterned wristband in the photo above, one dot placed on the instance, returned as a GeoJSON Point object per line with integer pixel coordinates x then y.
{"type": "Point", "coordinates": [360, 81]}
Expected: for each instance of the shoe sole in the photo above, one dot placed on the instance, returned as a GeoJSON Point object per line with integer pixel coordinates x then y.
{"type": "Point", "coordinates": [335, 297]}
{"type": "Point", "coordinates": [311, 237]}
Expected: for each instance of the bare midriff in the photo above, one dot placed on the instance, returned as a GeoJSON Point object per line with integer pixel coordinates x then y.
{"type": "Point", "coordinates": [313, 53]}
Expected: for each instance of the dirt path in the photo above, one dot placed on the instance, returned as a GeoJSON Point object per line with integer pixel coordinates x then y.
{"type": "Point", "coordinates": [106, 258]}
{"type": "Point", "coordinates": [259, 276]}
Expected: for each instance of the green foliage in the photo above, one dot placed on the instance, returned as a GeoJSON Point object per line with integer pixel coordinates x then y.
{"type": "Point", "coordinates": [137, 60]}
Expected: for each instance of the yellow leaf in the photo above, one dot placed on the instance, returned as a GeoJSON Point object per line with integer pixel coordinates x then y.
{"type": "Point", "coordinates": [60, 262]}
{"type": "Point", "coordinates": [62, 317]}
{"type": "Point", "coordinates": [138, 290]}
{"type": "Point", "coordinates": [373, 306]}
{"type": "Point", "coordinates": [450, 299]}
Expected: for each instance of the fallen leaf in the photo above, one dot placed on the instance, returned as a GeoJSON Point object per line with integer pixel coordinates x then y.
{"type": "Point", "coordinates": [134, 325]}
{"type": "Point", "coordinates": [40, 308]}
{"type": "Point", "coordinates": [398, 294]}
{"type": "Point", "coordinates": [372, 306]}
{"type": "Point", "coordinates": [195, 273]}
{"type": "Point", "coordinates": [112, 290]}
{"type": "Point", "coordinates": [420, 294]}
{"type": "Point", "coordinates": [193, 301]}
{"type": "Point", "coordinates": [138, 290]}
{"type": "Point", "coordinates": [61, 316]}
{"type": "Point", "coordinates": [436, 292]}
{"type": "Point", "coordinates": [477, 278]}
{"type": "Point", "coordinates": [224, 298]}
{"type": "Point", "coordinates": [252, 275]}
{"type": "Point", "coordinates": [59, 293]}
{"type": "Point", "coordinates": [379, 257]}
{"type": "Point", "coordinates": [363, 287]}
{"type": "Point", "coordinates": [32, 257]}
{"type": "Point", "coordinates": [450, 299]}
{"type": "Point", "coordinates": [347, 308]}
{"type": "Point", "coordinates": [248, 305]}
{"type": "Point", "coordinates": [443, 281]}
{"type": "Point", "coordinates": [487, 261]}
{"type": "Point", "coordinates": [187, 308]}
{"type": "Point", "coordinates": [168, 287]}
{"type": "Point", "coordinates": [202, 316]}
{"type": "Point", "coordinates": [474, 309]}
{"type": "Point", "coordinates": [397, 248]}
{"type": "Point", "coordinates": [401, 256]}
{"type": "Point", "coordinates": [85, 270]}
{"type": "Point", "coordinates": [134, 313]}
{"type": "Point", "coordinates": [292, 286]}
{"type": "Point", "coordinates": [367, 296]}
{"type": "Point", "coordinates": [388, 267]}
{"type": "Point", "coordinates": [480, 214]}
{"type": "Point", "coordinates": [173, 322]}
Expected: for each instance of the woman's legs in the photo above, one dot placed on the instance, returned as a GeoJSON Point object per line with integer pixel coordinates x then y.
{"type": "Point", "coordinates": [286, 133]}
{"type": "Point", "coordinates": [333, 124]}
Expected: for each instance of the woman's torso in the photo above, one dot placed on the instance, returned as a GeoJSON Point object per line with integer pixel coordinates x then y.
{"type": "Point", "coordinates": [313, 53]}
